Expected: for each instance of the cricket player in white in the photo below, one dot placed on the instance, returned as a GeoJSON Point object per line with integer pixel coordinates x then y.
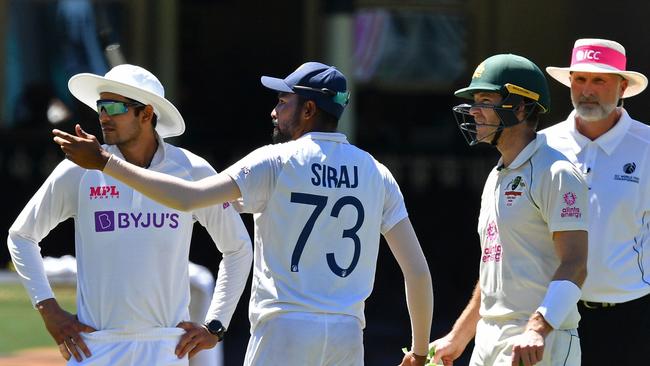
{"type": "Point", "coordinates": [532, 228]}
{"type": "Point", "coordinates": [612, 151]}
{"type": "Point", "coordinates": [132, 252]}
{"type": "Point", "coordinates": [319, 205]}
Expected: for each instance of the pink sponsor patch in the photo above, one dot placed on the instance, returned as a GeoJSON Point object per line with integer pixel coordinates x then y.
{"type": "Point", "coordinates": [570, 198]}
{"type": "Point", "coordinates": [492, 231]}
{"type": "Point", "coordinates": [492, 254]}
{"type": "Point", "coordinates": [599, 55]}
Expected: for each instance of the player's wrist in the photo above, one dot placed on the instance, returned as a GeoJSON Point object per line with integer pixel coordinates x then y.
{"type": "Point", "coordinates": [104, 157]}
{"type": "Point", "coordinates": [560, 299]}
{"type": "Point", "coordinates": [538, 324]}
{"type": "Point", "coordinates": [215, 328]}
{"type": "Point", "coordinates": [419, 357]}
{"type": "Point", "coordinates": [47, 306]}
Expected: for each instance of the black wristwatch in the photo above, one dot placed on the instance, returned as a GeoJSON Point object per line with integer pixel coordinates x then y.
{"type": "Point", "coordinates": [215, 327]}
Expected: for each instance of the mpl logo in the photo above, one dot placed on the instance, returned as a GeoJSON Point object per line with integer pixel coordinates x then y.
{"type": "Point", "coordinates": [101, 192]}
{"type": "Point", "coordinates": [582, 55]}
{"type": "Point", "coordinates": [110, 221]}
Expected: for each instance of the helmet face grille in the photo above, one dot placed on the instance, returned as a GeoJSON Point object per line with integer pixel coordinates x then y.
{"type": "Point", "coordinates": [468, 126]}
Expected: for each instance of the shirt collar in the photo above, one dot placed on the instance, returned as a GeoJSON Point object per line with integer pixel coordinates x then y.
{"type": "Point", "coordinates": [608, 141]}
{"type": "Point", "coordinates": [328, 136]}
{"type": "Point", "coordinates": [525, 154]}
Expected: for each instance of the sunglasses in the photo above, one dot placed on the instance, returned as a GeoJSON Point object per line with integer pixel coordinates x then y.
{"type": "Point", "coordinates": [341, 98]}
{"type": "Point", "coordinates": [115, 107]}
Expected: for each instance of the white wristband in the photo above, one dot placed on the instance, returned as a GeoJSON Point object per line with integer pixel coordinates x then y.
{"type": "Point", "coordinates": [560, 299]}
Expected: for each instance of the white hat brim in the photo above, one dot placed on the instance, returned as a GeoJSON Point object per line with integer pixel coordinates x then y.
{"type": "Point", "coordinates": [637, 82]}
{"type": "Point", "coordinates": [86, 87]}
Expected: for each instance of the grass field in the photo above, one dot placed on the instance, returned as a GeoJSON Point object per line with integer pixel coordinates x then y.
{"type": "Point", "coordinates": [21, 326]}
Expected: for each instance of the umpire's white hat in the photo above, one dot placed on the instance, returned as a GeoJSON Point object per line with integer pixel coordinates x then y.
{"type": "Point", "coordinates": [133, 82]}
{"type": "Point", "coordinates": [600, 56]}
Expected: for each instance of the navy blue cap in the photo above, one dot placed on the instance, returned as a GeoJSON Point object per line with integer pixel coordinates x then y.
{"type": "Point", "coordinates": [323, 84]}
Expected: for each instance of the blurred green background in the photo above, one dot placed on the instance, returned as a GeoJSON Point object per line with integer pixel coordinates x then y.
{"type": "Point", "coordinates": [21, 326]}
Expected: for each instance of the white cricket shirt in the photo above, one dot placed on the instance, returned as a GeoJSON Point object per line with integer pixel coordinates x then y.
{"type": "Point", "coordinates": [521, 207]}
{"type": "Point", "coordinates": [132, 253]}
{"type": "Point", "coordinates": [319, 206]}
{"type": "Point", "coordinates": [616, 167]}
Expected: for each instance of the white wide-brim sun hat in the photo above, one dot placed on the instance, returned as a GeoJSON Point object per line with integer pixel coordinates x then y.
{"type": "Point", "coordinates": [132, 82]}
{"type": "Point", "coordinates": [600, 56]}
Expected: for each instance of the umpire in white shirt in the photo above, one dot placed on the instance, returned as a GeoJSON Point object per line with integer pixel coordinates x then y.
{"type": "Point", "coordinates": [613, 152]}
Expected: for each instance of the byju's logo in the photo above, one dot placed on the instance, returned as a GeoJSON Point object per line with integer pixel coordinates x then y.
{"type": "Point", "coordinates": [110, 221]}
{"type": "Point", "coordinates": [104, 221]}
{"type": "Point", "coordinates": [104, 192]}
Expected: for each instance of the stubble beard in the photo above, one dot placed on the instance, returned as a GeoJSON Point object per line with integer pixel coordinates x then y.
{"type": "Point", "coordinates": [592, 113]}
{"type": "Point", "coordinates": [279, 136]}
{"type": "Point", "coordinates": [109, 140]}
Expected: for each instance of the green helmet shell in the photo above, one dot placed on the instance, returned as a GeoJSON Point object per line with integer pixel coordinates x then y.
{"type": "Point", "coordinates": [508, 73]}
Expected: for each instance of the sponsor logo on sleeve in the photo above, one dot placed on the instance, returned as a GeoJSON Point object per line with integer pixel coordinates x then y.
{"type": "Point", "coordinates": [628, 169]}
{"type": "Point", "coordinates": [492, 251]}
{"type": "Point", "coordinates": [570, 211]}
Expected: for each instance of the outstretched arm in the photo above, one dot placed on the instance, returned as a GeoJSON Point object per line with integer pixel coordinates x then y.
{"type": "Point", "coordinates": [419, 292]}
{"type": "Point", "coordinates": [84, 150]}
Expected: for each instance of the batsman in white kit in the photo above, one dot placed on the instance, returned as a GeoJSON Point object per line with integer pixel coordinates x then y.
{"type": "Point", "coordinates": [132, 253]}
{"type": "Point", "coordinates": [532, 228]}
{"type": "Point", "coordinates": [319, 205]}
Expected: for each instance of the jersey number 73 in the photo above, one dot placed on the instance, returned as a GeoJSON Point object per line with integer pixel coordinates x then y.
{"type": "Point", "coordinates": [320, 202]}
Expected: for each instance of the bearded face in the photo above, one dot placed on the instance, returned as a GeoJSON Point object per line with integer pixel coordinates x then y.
{"type": "Point", "coordinates": [595, 95]}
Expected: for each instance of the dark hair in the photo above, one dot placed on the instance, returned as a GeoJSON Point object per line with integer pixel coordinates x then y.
{"type": "Point", "coordinates": [324, 119]}
{"type": "Point", "coordinates": [138, 109]}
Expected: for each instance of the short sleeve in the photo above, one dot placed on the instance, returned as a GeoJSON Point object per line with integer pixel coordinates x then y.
{"type": "Point", "coordinates": [565, 200]}
{"type": "Point", "coordinates": [255, 175]}
{"type": "Point", "coordinates": [394, 208]}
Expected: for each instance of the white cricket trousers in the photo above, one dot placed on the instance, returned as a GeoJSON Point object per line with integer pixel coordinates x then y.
{"type": "Point", "coordinates": [151, 347]}
{"type": "Point", "coordinates": [494, 340]}
{"type": "Point", "coordinates": [306, 339]}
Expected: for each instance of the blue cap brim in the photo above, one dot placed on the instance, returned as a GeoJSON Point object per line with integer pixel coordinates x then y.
{"type": "Point", "coordinates": [276, 84]}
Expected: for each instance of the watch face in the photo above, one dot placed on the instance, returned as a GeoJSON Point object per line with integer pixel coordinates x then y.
{"type": "Point", "coordinates": [215, 327]}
